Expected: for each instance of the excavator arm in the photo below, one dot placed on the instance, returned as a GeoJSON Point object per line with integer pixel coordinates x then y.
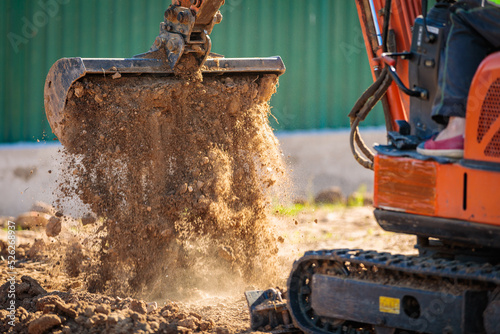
{"type": "Point", "coordinates": [186, 30]}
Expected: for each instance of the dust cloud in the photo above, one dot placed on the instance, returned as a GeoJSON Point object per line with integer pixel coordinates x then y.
{"type": "Point", "coordinates": [180, 171]}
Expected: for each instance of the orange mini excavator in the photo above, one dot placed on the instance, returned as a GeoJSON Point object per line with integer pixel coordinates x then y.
{"type": "Point", "coordinates": [452, 206]}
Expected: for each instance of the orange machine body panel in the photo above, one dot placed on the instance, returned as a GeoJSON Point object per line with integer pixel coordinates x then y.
{"type": "Point", "coordinates": [440, 190]}
{"type": "Point", "coordinates": [482, 131]}
{"type": "Point", "coordinates": [468, 190]}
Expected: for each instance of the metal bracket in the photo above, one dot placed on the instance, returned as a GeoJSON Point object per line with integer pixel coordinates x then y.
{"type": "Point", "coordinates": [181, 33]}
{"type": "Point", "coordinates": [267, 308]}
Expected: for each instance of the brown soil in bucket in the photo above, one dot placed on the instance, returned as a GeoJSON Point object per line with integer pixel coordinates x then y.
{"type": "Point", "coordinates": [182, 170]}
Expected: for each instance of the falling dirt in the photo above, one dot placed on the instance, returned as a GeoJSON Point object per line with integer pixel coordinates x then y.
{"type": "Point", "coordinates": [181, 170]}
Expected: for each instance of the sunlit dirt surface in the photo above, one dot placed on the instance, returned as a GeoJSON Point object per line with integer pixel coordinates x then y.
{"type": "Point", "coordinates": [52, 296]}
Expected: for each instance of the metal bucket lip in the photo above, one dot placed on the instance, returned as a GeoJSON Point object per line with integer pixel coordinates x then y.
{"type": "Point", "coordinates": [150, 65]}
{"type": "Point", "coordinates": [66, 71]}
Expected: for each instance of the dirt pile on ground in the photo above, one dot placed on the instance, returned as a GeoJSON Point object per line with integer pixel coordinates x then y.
{"type": "Point", "coordinates": [38, 312]}
{"type": "Point", "coordinates": [181, 169]}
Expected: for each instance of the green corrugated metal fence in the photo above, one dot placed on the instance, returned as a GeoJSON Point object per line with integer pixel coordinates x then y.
{"type": "Point", "coordinates": [320, 42]}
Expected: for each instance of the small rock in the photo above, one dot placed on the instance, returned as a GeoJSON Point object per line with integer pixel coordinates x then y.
{"type": "Point", "coordinates": [183, 330]}
{"type": "Point", "coordinates": [138, 306]}
{"type": "Point", "coordinates": [196, 315]}
{"type": "Point", "coordinates": [47, 300]}
{"type": "Point", "coordinates": [117, 75]}
{"type": "Point", "coordinates": [53, 227]}
{"type": "Point", "coordinates": [113, 318]}
{"type": "Point", "coordinates": [205, 160]}
{"type": "Point", "coordinates": [55, 303]}
{"type": "Point", "coordinates": [183, 188]}
{"type": "Point", "coordinates": [154, 326]}
{"type": "Point", "coordinates": [222, 330]}
{"type": "Point", "coordinates": [88, 219]}
{"type": "Point", "coordinates": [29, 286]}
{"type": "Point", "coordinates": [233, 106]}
{"type": "Point", "coordinates": [136, 317]}
{"type": "Point", "coordinates": [44, 323]}
{"type": "Point", "coordinates": [330, 196]}
{"type": "Point", "coordinates": [99, 319]}
{"type": "Point", "coordinates": [206, 325]}
{"type": "Point", "coordinates": [4, 314]}
{"type": "Point", "coordinates": [32, 219]}
{"type": "Point", "coordinates": [78, 91]}
{"type": "Point", "coordinates": [49, 308]}
{"type": "Point", "coordinates": [89, 311]}
{"type": "Point", "coordinates": [21, 313]}
{"type": "Point", "coordinates": [89, 323]}
{"type": "Point", "coordinates": [80, 319]}
{"type": "Point", "coordinates": [151, 307]}
{"type": "Point", "coordinates": [67, 310]}
{"type": "Point", "coordinates": [104, 309]}
{"type": "Point", "coordinates": [189, 322]}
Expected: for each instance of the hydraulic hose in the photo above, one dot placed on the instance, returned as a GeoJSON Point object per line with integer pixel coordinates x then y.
{"type": "Point", "coordinates": [359, 112]}
{"type": "Point", "coordinates": [368, 100]}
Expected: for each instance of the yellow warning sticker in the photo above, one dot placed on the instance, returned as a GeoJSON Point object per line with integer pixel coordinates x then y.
{"type": "Point", "coordinates": [388, 305]}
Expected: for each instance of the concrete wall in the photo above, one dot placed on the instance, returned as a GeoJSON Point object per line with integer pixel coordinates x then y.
{"type": "Point", "coordinates": [25, 177]}
{"type": "Point", "coordinates": [322, 159]}
{"type": "Point", "coordinates": [318, 160]}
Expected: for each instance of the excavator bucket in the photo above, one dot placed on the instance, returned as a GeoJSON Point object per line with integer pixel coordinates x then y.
{"type": "Point", "coordinates": [182, 48]}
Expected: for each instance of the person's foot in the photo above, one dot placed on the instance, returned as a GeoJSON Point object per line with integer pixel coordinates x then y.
{"type": "Point", "coordinates": [448, 143]}
{"type": "Point", "coordinates": [455, 127]}
{"type": "Point", "coordinates": [450, 148]}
